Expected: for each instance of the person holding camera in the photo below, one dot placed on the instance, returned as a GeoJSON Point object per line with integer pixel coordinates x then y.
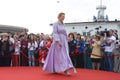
{"type": "Point", "coordinates": [108, 52]}
{"type": "Point", "coordinates": [96, 53]}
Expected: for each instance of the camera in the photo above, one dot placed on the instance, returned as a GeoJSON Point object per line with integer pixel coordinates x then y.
{"type": "Point", "coordinates": [102, 33]}
{"type": "Point", "coordinates": [117, 42]}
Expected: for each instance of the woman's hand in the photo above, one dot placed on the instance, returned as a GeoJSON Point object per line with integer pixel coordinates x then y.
{"type": "Point", "coordinates": [59, 43]}
{"type": "Point", "coordinates": [23, 46]}
{"type": "Point", "coordinates": [77, 46]}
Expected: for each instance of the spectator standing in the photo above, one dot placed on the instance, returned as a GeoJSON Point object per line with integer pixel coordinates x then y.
{"type": "Point", "coordinates": [116, 51]}
{"type": "Point", "coordinates": [109, 47]}
{"type": "Point", "coordinates": [80, 46]}
{"type": "Point", "coordinates": [37, 39]}
{"type": "Point", "coordinates": [88, 51]}
{"type": "Point", "coordinates": [32, 45]}
{"type": "Point", "coordinates": [43, 50]}
{"type": "Point", "coordinates": [72, 46]}
{"type": "Point", "coordinates": [24, 50]}
{"type": "Point", "coordinates": [16, 54]}
{"type": "Point", "coordinates": [96, 52]}
{"type": "Point", "coordinates": [5, 45]}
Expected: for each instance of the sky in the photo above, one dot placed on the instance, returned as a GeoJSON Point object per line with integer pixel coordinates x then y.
{"type": "Point", "coordinates": [36, 15]}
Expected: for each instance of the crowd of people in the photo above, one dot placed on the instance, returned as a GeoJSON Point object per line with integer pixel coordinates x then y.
{"type": "Point", "coordinates": [100, 51]}
{"type": "Point", "coordinates": [23, 49]}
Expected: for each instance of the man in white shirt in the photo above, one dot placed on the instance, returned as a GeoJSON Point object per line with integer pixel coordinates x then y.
{"type": "Point", "coordinates": [111, 41]}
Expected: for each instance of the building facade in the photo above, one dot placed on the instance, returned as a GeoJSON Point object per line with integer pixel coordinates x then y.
{"type": "Point", "coordinates": [91, 28]}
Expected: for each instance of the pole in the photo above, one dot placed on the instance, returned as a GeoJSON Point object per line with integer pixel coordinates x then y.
{"type": "Point", "coordinates": [100, 2]}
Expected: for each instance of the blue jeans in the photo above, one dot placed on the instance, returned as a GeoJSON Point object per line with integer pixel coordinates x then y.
{"type": "Point", "coordinates": [108, 61]}
{"type": "Point", "coordinates": [31, 57]}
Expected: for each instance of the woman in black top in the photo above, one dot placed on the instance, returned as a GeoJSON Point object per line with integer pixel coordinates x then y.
{"type": "Point", "coordinates": [72, 47]}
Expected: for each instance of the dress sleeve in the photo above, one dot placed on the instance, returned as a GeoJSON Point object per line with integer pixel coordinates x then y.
{"type": "Point", "coordinates": [55, 32]}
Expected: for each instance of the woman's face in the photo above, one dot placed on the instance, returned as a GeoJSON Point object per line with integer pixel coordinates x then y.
{"type": "Point", "coordinates": [61, 18]}
{"type": "Point", "coordinates": [71, 36]}
{"type": "Point", "coordinates": [32, 37]}
{"type": "Point", "coordinates": [45, 37]}
{"type": "Point", "coordinates": [5, 37]}
{"type": "Point", "coordinates": [97, 38]}
{"type": "Point", "coordinates": [111, 32]}
{"type": "Point", "coordinates": [78, 36]}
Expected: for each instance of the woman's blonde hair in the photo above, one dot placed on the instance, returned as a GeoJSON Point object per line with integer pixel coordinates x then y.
{"type": "Point", "coordinates": [60, 14]}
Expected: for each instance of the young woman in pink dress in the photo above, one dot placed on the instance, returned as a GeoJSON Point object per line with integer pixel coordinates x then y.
{"type": "Point", "coordinates": [58, 59]}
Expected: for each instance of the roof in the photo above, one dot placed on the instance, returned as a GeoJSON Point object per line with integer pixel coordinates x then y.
{"type": "Point", "coordinates": [91, 22]}
{"type": "Point", "coordinates": [9, 28]}
{"type": "Point", "coordinates": [94, 22]}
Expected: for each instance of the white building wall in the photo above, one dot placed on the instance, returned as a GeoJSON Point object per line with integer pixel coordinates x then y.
{"type": "Point", "coordinates": [80, 28]}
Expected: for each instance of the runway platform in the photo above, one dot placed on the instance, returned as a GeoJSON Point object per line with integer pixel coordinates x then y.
{"type": "Point", "coordinates": [36, 73]}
